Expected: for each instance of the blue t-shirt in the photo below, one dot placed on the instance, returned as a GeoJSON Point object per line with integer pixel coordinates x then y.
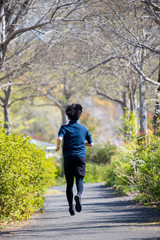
{"type": "Point", "coordinates": [74, 136]}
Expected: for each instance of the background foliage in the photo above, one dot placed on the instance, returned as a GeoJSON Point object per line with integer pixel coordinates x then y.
{"type": "Point", "coordinates": [95, 173]}
{"type": "Point", "coordinates": [100, 153]}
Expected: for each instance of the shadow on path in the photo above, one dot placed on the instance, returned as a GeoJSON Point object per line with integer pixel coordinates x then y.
{"type": "Point", "coordinates": [105, 216]}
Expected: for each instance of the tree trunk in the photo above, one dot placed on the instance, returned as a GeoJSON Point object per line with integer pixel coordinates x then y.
{"type": "Point", "coordinates": [143, 111]}
{"type": "Point", "coordinates": [157, 104]}
{"type": "Point", "coordinates": [7, 119]}
{"type": "Point", "coordinates": [2, 34]}
{"type": "Point", "coordinates": [133, 99]}
{"type": "Point", "coordinates": [142, 95]}
{"type": "Point", "coordinates": [64, 122]}
{"type": "Point", "coordinates": [64, 117]}
{"type": "Point", "coordinates": [124, 103]}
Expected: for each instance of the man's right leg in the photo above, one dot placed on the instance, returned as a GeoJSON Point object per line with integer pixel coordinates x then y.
{"type": "Point", "coordinates": [68, 171]}
{"type": "Point", "coordinates": [69, 192]}
{"type": "Point", "coordinates": [69, 189]}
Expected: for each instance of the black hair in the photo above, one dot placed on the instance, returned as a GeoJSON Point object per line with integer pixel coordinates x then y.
{"type": "Point", "coordinates": [74, 111]}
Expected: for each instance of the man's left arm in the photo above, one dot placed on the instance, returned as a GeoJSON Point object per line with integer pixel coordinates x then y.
{"type": "Point", "coordinates": [89, 140]}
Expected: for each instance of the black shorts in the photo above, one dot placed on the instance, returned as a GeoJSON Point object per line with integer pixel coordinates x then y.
{"type": "Point", "coordinates": [74, 166]}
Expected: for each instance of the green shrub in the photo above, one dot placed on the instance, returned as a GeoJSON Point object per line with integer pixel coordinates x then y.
{"type": "Point", "coordinates": [95, 173]}
{"type": "Point", "coordinates": [110, 176]}
{"type": "Point", "coordinates": [24, 173]}
{"type": "Point", "coordinates": [136, 167]}
{"type": "Point", "coordinates": [50, 171]}
{"type": "Point", "coordinates": [124, 168]}
{"type": "Point", "coordinates": [100, 153]}
{"type": "Point", "coordinates": [148, 177]}
{"type": "Point", "coordinates": [129, 126]}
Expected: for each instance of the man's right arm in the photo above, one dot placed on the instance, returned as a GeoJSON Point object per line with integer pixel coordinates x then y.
{"type": "Point", "coordinates": [59, 141]}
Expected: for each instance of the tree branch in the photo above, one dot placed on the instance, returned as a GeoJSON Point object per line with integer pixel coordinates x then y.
{"type": "Point", "coordinates": [12, 84]}
{"type": "Point", "coordinates": [61, 6]}
{"type": "Point", "coordinates": [103, 62]}
{"type": "Point", "coordinates": [134, 65]}
{"type": "Point", "coordinates": [23, 98]}
{"type": "Point", "coordinates": [157, 8]}
{"type": "Point", "coordinates": [22, 30]}
{"type": "Point", "coordinates": [110, 98]}
{"type": "Point", "coordinates": [143, 75]}
{"type": "Point", "coordinates": [154, 10]}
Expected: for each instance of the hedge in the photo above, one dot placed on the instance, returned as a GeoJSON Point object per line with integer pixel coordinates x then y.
{"type": "Point", "coordinates": [24, 174]}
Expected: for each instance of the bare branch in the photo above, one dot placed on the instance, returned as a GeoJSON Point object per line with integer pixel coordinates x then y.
{"type": "Point", "coordinates": [157, 8]}
{"type": "Point", "coordinates": [134, 65]}
{"type": "Point", "coordinates": [110, 98]}
{"type": "Point", "coordinates": [8, 75]}
{"type": "Point", "coordinates": [143, 75]}
{"type": "Point", "coordinates": [12, 84]}
{"type": "Point", "coordinates": [62, 6]}
{"type": "Point", "coordinates": [23, 98]}
{"type": "Point", "coordinates": [22, 30]}
{"type": "Point", "coordinates": [103, 62]}
{"type": "Point", "coordinates": [154, 10]}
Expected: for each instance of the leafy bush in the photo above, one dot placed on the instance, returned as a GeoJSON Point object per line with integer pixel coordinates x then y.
{"type": "Point", "coordinates": [148, 176]}
{"type": "Point", "coordinates": [123, 169]}
{"type": "Point", "coordinates": [129, 126]}
{"type": "Point", "coordinates": [24, 172]}
{"type": "Point", "coordinates": [100, 153]}
{"type": "Point", "coordinates": [95, 173]}
{"type": "Point", "coordinates": [136, 167]}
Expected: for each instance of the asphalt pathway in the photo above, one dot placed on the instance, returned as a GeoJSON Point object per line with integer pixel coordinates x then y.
{"type": "Point", "coordinates": [104, 216]}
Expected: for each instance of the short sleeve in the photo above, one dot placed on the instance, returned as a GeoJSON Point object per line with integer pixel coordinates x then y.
{"type": "Point", "coordinates": [61, 132]}
{"type": "Point", "coordinates": [88, 137]}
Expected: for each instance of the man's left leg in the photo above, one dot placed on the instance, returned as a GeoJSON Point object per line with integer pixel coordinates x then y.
{"type": "Point", "coordinates": [79, 185]}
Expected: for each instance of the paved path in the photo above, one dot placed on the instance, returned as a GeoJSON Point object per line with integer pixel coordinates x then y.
{"type": "Point", "coordinates": [104, 217]}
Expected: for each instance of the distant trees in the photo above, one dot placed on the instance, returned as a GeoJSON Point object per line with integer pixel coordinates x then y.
{"type": "Point", "coordinates": [19, 17]}
{"type": "Point", "coordinates": [21, 22]}
{"type": "Point", "coordinates": [58, 79]}
{"type": "Point", "coordinates": [128, 38]}
{"type": "Point", "coordinates": [45, 46]}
